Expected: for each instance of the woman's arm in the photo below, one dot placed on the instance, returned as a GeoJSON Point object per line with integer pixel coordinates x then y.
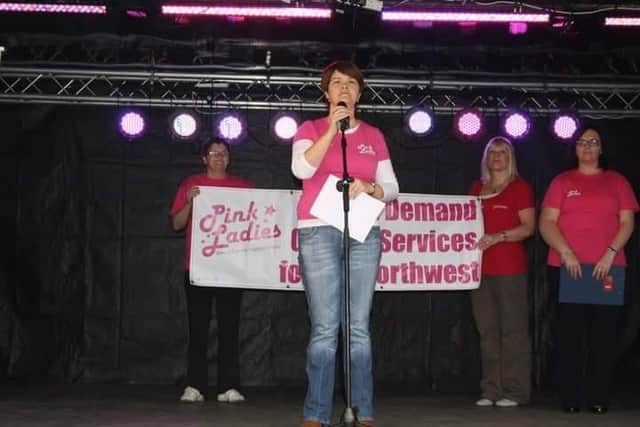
{"type": "Point", "coordinates": [179, 219]}
{"type": "Point", "coordinates": [316, 152]}
{"type": "Point", "coordinates": [515, 234]}
{"type": "Point", "coordinates": [625, 228]}
{"type": "Point", "coordinates": [385, 186]}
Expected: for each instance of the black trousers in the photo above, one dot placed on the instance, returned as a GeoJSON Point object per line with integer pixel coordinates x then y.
{"type": "Point", "coordinates": [587, 349]}
{"type": "Point", "coordinates": [199, 304]}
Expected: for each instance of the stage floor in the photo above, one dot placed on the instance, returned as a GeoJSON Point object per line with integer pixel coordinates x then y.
{"type": "Point", "coordinates": [157, 406]}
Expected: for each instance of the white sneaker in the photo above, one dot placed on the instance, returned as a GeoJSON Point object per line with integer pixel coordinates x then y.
{"type": "Point", "coordinates": [506, 403]}
{"type": "Point", "coordinates": [232, 396]}
{"type": "Point", "coordinates": [191, 394]}
{"type": "Point", "coordinates": [484, 402]}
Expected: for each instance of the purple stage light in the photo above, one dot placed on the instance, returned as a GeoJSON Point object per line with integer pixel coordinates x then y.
{"type": "Point", "coordinates": [257, 12]}
{"type": "Point", "coordinates": [230, 127]}
{"type": "Point", "coordinates": [137, 13]}
{"type": "Point", "coordinates": [414, 16]}
{"type": "Point", "coordinates": [53, 8]}
{"type": "Point", "coordinates": [516, 124]}
{"type": "Point", "coordinates": [565, 126]}
{"type": "Point", "coordinates": [517, 28]}
{"type": "Point", "coordinates": [622, 21]}
{"type": "Point", "coordinates": [285, 126]}
{"type": "Point", "coordinates": [184, 125]}
{"type": "Point", "coordinates": [131, 125]}
{"type": "Point", "coordinates": [419, 121]}
{"type": "Point", "coordinates": [468, 123]}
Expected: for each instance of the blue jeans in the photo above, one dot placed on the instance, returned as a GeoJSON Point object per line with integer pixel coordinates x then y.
{"type": "Point", "coordinates": [322, 272]}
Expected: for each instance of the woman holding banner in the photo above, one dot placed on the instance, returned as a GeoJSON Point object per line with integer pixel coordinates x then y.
{"type": "Point", "coordinates": [215, 157]}
{"type": "Point", "coordinates": [316, 155]}
{"type": "Point", "coordinates": [587, 218]}
{"type": "Point", "coordinates": [500, 306]}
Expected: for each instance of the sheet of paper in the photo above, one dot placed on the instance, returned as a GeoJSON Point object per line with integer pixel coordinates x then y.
{"type": "Point", "coordinates": [363, 210]}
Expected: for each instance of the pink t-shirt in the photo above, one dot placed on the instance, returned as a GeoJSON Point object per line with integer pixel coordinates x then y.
{"type": "Point", "coordinates": [200, 180]}
{"type": "Point", "coordinates": [589, 212]}
{"type": "Point", "coordinates": [365, 149]}
{"type": "Point", "coordinates": [500, 213]}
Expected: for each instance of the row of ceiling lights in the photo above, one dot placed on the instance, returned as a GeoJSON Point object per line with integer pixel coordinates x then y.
{"type": "Point", "coordinates": [213, 9]}
{"type": "Point", "coordinates": [468, 124]}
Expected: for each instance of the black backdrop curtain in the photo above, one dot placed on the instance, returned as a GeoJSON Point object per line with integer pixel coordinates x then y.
{"type": "Point", "coordinates": [91, 280]}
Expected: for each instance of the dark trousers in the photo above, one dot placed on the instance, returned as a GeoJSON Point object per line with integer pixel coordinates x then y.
{"type": "Point", "coordinates": [199, 302]}
{"type": "Point", "coordinates": [501, 311]}
{"type": "Point", "coordinates": [587, 349]}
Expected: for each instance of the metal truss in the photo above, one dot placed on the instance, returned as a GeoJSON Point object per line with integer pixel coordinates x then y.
{"type": "Point", "coordinates": [262, 89]}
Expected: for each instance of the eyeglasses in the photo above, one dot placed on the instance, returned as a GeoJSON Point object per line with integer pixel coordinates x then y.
{"type": "Point", "coordinates": [593, 142]}
{"type": "Point", "coordinates": [217, 153]}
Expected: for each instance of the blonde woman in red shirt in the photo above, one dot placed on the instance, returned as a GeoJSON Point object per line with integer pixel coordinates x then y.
{"type": "Point", "coordinates": [500, 304]}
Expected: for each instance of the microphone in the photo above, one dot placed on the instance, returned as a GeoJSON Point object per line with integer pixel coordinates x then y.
{"type": "Point", "coordinates": [343, 124]}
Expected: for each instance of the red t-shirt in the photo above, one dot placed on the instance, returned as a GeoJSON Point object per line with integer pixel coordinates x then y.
{"type": "Point", "coordinates": [501, 213]}
{"type": "Point", "coordinates": [589, 207]}
{"type": "Point", "coordinates": [200, 180]}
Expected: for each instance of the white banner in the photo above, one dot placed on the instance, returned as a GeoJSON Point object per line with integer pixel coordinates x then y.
{"type": "Point", "coordinates": [246, 238]}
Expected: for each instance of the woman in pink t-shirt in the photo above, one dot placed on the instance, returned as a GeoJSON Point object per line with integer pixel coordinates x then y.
{"type": "Point", "coordinates": [500, 304]}
{"type": "Point", "coordinates": [587, 217]}
{"type": "Point", "coordinates": [316, 155]}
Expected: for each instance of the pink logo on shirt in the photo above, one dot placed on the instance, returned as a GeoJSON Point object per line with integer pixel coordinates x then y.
{"type": "Point", "coordinates": [366, 149]}
{"type": "Point", "coordinates": [574, 193]}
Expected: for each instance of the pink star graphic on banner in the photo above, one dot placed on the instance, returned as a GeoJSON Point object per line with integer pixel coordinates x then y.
{"type": "Point", "coordinates": [269, 210]}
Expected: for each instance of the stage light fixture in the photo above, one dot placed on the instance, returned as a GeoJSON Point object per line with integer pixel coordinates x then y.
{"type": "Point", "coordinates": [516, 124]}
{"type": "Point", "coordinates": [131, 125]}
{"type": "Point", "coordinates": [565, 125]}
{"type": "Point", "coordinates": [230, 126]}
{"type": "Point", "coordinates": [254, 12]}
{"type": "Point", "coordinates": [468, 123]}
{"type": "Point", "coordinates": [622, 21]}
{"type": "Point", "coordinates": [284, 126]}
{"type": "Point", "coordinates": [434, 16]}
{"type": "Point", "coordinates": [518, 28]}
{"type": "Point", "coordinates": [419, 121]}
{"type": "Point", "coordinates": [70, 8]}
{"type": "Point", "coordinates": [184, 125]}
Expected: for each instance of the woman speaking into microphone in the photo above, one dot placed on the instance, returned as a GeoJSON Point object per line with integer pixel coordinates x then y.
{"type": "Point", "coordinates": [317, 154]}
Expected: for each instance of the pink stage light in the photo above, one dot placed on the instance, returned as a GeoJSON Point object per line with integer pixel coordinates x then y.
{"type": "Point", "coordinates": [414, 16]}
{"type": "Point", "coordinates": [257, 12]}
{"type": "Point", "coordinates": [468, 123]}
{"type": "Point", "coordinates": [516, 124]}
{"type": "Point", "coordinates": [622, 21]}
{"type": "Point", "coordinates": [517, 28]}
{"type": "Point", "coordinates": [53, 8]}
{"type": "Point", "coordinates": [565, 126]}
{"type": "Point", "coordinates": [131, 125]}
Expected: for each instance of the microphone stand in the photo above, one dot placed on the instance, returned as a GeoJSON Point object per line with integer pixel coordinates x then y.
{"type": "Point", "coordinates": [349, 416]}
